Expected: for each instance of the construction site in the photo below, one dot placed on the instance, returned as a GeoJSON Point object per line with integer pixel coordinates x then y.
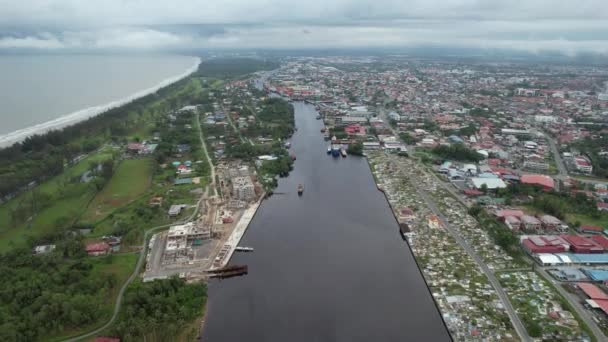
{"type": "Point", "coordinates": [197, 249]}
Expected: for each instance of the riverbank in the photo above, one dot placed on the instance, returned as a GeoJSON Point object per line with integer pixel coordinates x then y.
{"type": "Point", "coordinates": [86, 113]}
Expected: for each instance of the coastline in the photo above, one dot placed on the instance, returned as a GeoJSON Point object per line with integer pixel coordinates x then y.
{"type": "Point", "coordinates": [86, 113]}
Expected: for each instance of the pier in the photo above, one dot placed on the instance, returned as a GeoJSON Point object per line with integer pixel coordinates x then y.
{"type": "Point", "coordinates": [232, 243]}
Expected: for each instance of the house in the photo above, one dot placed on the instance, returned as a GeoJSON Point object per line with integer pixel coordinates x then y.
{"type": "Point", "coordinates": [176, 209]}
{"type": "Point", "coordinates": [513, 223]}
{"type": "Point", "coordinates": [135, 148]}
{"type": "Point", "coordinates": [530, 223]}
{"type": "Point", "coordinates": [550, 222]}
{"type": "Point", "coordinates": [354, 129]}
{"type": "Point", "coordinates": [97, 248]}
{"type": "Point", "coordinates": [602, 206]}
{"type": "Point", "coordinates": [544, 244]}
{"type": "Point", "coordinates": [106, 339]}
{"type": "Point", "coordinates": [583, 165]}
{"type": "Point", "coordinates": [43, 249]}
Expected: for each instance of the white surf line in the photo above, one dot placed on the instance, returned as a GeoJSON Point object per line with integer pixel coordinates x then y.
{"type": "Point", "coordinates": [83, 114]}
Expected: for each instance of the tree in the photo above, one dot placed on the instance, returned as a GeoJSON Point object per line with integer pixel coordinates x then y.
{"type": "Point", "coordinates": [355, 149]}
{"type": "Point", "coordinates": [484, 188]}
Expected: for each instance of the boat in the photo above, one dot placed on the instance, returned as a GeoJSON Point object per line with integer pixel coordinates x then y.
{"type": "Point", "coordinates": [335, 150]}
{"type": "Point", "coordinates": [293, 156]}
{"type": "Point", "coordinates": [300, 189]}
{"type": "Point", "coordinates": [328, 149]}
{"type": "Point", "coordinates": [287, 144]}
{"type": "Point", "coordinates": [318, 117]}
{"type": "Point", "coordinates": [343, 152]}
{"type": "Point", "coordinates": [323, 130]}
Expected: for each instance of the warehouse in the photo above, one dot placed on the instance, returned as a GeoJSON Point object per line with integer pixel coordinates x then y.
{"type": "Point", "coordinates": [582, 245]}
{"type": "Point", "coordinates": [544, 244]}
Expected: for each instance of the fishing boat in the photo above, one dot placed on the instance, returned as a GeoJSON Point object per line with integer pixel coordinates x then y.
{"type": "Point", "coordinates": [343, 152]}
{"type": "Point", "coordinates": [335, 150]}
{"type": "Point", "coordinates": [300, 189]}
{"type": "Point", "coordinates": [328, 149]}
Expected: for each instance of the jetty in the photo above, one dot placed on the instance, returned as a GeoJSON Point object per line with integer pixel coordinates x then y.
{"type": "Point", "coordinates": [223, 257]}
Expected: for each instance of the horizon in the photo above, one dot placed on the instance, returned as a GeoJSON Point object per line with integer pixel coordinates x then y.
{"type": "Point", "coordinates": [533, 27]}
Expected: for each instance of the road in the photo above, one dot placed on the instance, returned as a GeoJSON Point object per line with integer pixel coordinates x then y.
{"type": "Point", "coordinates": [142, 256]}
{"type": "Point", "coordinates": [140, 262]}
{"type": "Point", "coordinates": [204, 146]}
{"type": "Point", "coordinates": [559, 162]}
{"type": "Point", "coordinates": [517, 324]}
{"type": "Point", "coordinates": [574, 301]}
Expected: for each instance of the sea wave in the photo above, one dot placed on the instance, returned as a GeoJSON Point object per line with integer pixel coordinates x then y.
{"type": "Point", "coordinates": [83, 114]}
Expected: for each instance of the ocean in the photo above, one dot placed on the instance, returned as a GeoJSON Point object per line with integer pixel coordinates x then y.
{"type": "Point", "coordinates": [43, 92]}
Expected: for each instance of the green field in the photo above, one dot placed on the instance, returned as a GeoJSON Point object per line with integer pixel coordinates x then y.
{"type": "Point", "coordinates": [130, 180]}
{"type": "Point", "coordinates": [65, 201]}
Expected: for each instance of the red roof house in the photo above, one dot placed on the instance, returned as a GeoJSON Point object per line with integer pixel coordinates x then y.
{"type": "Point", "coordinates": [602, 206]}
{"type": "Point", "coordinates": [97, 248]}
{"type": "Point", "coordinates": [600, 240]}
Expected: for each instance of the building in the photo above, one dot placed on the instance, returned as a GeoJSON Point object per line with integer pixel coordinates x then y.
{"type": "Point", "coordinates": [243, 188]}
{"type": "Point", "coordinates": [530, 223]}
{"type": "Point", "coordinates": [582, 245]}
{"type": "Point", "coordinates": [490, 183]}
{"type": "Point", "coordinates": [543, 181]}
{"type": "Point", "coordinates": [600, 240]}
{"type": "Point", "coordinates": [43, 249]}
{"type": "Point", "coordinates": [180, 239]}
{"type": "Point", "coordinates": [513, 223]}
{"type": "Point", "coordinates": [176, 209]}
{"type": "Point", "coordinates": [583, 165]}
{"type": "Point", "coordinates": [544, 244]}
{"type": "Point", "coordinates": [97, 248]}
{"type": "Point", "coordinates": [550, 223]}
{"type": "Point", "coordinates": [587, 229]}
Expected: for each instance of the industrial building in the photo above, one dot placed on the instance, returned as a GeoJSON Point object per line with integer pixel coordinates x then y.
{"type": "Point", "coordinates": [582, 245]}
{"type": "Point", "coordinates": [544, 244]}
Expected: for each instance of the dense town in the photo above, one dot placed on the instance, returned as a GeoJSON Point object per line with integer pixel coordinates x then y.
{"type": "Point", "coordinates": [496, 174]}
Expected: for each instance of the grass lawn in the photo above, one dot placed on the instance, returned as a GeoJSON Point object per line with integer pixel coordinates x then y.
{"type": "Point", "coordinates": [130, 180]}
{"type": "Point", "coordinates": [68, 202]}
{"type": "Point", "coordinates": [587, 220]}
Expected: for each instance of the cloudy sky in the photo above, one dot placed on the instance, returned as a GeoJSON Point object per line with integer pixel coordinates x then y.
{"type": "Point", "coordinates": [569, 27]}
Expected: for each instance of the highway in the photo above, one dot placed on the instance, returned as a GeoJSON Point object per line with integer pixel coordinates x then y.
{"type": "Point", "coordinates": [517, 324]}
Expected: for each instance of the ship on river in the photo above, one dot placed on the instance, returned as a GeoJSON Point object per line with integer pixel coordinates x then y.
{"type": "Point", "coordinates": [300, 189]}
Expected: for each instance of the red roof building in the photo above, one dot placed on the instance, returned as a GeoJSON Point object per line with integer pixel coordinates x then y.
{"type": "Point", "coordinates": [541, 180]}
{"type": "Point", "coordinates": [501, 214]}
{"type": "Point", "coordinates": [581, 244]}
{"type": "Point", "coordinates": [600, 240]}
{"type": "Point", "coordinates": [106, 339]}
{"type": "Point", "coordinates": [592, 291]}
{"type": "Point", "coordinates": [354, 129]}
{"type": "Point", "coordinates": [545, 244]}
{"type": "Point", "coordinates": [98, 248]}
{"type": "Point", "coordinates": [602, 206]}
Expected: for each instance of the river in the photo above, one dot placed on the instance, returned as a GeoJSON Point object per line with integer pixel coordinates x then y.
{"type": "Point", "coordinates": [329, 265]}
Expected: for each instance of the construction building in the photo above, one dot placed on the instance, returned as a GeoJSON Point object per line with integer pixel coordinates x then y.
{"type": "Point", "coordinates": [243, 188]}
{"type": "Point", "coordinates": [181, 238]}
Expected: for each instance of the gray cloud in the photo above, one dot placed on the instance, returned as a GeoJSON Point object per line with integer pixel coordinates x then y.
{"type": "Point", "coordinates": [541, 25]}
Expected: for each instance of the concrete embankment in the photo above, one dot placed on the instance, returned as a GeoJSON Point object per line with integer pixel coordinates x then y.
{"type": "Point", "coordinates": [237, 234]}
